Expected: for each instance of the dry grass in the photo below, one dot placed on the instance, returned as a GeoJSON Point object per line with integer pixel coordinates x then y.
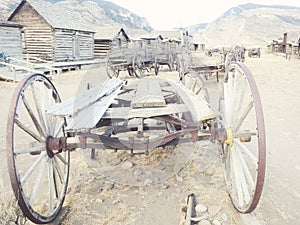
{"type": "Point", "coordinates": [9, 210]}
{"type": "Point", "coordinates": [117, 216]}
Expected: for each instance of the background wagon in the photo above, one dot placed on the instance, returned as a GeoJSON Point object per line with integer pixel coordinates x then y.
{"type": "Point", "coordinates": [254, 52]}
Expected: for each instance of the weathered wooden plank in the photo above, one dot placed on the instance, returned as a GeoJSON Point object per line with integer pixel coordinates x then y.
{"type": "Point", "coordinates": [129, 113]}
{"type": "Point", "coordinates": [148, 94]}
{"type": "Point", "coordinates": [89, 116]}
{"type": "Point", "coordinates": [74, 105]}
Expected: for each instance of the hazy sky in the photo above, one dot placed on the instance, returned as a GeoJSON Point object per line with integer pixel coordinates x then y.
{"type": "Point", "coordinates": [169, 14]}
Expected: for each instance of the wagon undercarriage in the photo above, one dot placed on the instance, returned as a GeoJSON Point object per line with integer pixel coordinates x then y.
{"type": "Point", "coordinates": [139, 117]}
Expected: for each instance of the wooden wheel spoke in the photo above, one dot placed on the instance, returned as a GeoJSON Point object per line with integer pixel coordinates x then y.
{"type": "Point", "coordinates": [52, 185]}
{"type": "Point", "coordinates": [59, 128]}
{"type": "Point", "coordinates": [32, 169]}
{"type": "Point", "coordinates": [28, 130]}
{"type": "Point", "coordinates": [243, 116]}
{"type": "Point", "coordinates": [33, 117]}
{"type": "Point", "coordinates": [237, 178]}
{"type": "Point", "coordinates": [240, 98]}
{"type": "Point", "coordinates": [247, 152]}
{"type": "Point", "coordinates": [247, 133]}
{"type": "Point", "coordinates": [244, 180]}
{"type": "Point", "coordinates": [245, 169]}
{"type": "Point", "coordinates": [39, 108]}
{"type": "Point", "coordinates": [58, 170]}
{"type": "Point", "coordinates": [52, 123]}
{"type": "Point", "coordinates": [38, 181]}
{"type": "Point", "coordinates": [62, 159]}
{"type": "Point", "coordinates": [29, 150]}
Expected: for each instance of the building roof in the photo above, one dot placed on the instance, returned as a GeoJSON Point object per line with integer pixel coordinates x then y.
{"type": "Point", "coordinates": [9, 24]}
{"type": "Point", "coordinates": [57, 17]}
{"type": "Point", "coordinates": [170, 34]}
{"type": "Point", "coordinates": [110, 33]}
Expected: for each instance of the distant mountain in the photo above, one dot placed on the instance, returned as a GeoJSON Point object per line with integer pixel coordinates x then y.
{"type": "Point", "coordinates": [252, 25]}
{"type": "Point", "coordinates": [194, 28]}
{"type": "Point", "coordinates": [122, 15]}
{"type": "Point", "coordinates": [247, 24]}
{"type": "Point", "coordinates": [6, 7]}
{"type": "Point", "coordinates": [97, 12]}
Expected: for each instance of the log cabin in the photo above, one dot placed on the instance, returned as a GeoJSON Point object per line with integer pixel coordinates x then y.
{"type": "Point", "coordinates": [108, 39]}
{"type": "Point", "coordinates": [11, 39]}
{"type": "Point", "coordinates": [53, 33]}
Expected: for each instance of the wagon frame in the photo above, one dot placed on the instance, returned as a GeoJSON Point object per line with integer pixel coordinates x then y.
{"type": "Point", "coordinates": [40, 133]}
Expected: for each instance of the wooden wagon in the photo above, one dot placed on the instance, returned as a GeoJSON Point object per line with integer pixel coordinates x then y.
{"type": "Point", "coordinates": [203, 64]}
{"type": "Point", "coordinates": [133, 60]}
{"type": "Point", "coordinates": [254, 52]}
{"type": "Point", "coordinates": [137, 117]}
{"type": "Point", "coordinates": [164, 56]}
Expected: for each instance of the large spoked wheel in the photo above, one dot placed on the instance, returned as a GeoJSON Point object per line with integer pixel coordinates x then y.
{"type": "Point", "coordinates": [170, 62]}
{"type": "Point", "coordinates": [38, 170]}
{"type": "Point", "coordinates": [244, 150]}
{"type": "Point", "coordinates": [111, 70]}
{"type": "Point", "coordinates": [138, 66]}
{"type": "Point", "coordinates": [156, 66]}
{"type": "Point", "coordinates": [193, 81]}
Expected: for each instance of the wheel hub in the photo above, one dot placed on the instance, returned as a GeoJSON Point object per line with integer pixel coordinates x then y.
{"type": "Point", "coordinates": [55, 145]}
{"type": "Point", "coordinates": [229, 139]}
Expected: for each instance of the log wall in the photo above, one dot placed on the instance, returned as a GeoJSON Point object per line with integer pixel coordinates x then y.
{"type": "Point", "coordinates": [43, 41]}
{"type": "Point", "coordinates": [38, 35]}
{"type": "Point", "coordinates": [11, 41]}
{"type": "Point", "coordinates": [102, 47]}
{"type": "Point", "coordinates": [73, 45]}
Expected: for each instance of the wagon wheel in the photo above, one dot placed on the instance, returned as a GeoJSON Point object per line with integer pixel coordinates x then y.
{"type": "Point", "coordinates": [38, 173]}
{"type": "Point", "coordinates": [111, 70]}
{"type": "Point", "coordinates": [170, 62]}
{"type": "Point", "coordinates": [193, 81]}
{"type": "Point", "coordinates": [176, 62]}
{"type": "Point", "coordinates": [244, 151]}
{"type": "Point", "coordinates": [156, 66]}
{"type": "Point", "coordinates": [138, 66]}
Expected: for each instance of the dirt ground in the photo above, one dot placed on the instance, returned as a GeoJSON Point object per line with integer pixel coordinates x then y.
{"type": "Point", "coordinates": [94, 199]}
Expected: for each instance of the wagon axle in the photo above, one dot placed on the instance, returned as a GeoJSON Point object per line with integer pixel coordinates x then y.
{"type": "Point", "coordinates": [55, 145]}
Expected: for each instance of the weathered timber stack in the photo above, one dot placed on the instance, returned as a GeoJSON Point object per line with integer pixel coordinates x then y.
{"type": "Point", "coordinates": [52, 33]}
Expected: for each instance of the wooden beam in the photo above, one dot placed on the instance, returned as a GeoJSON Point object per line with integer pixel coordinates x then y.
{"type": "Point", "coordinates": [148, 94]}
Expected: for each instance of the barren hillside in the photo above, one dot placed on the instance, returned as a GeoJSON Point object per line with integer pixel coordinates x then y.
{"type": "Point", "coordinates": [252, 26]}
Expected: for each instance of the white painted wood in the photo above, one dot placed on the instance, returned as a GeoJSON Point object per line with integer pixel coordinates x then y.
{"type": "Point", "coordinates": [148, 94]}
{"type": "Point", "coordinates": [74, 105]}
{"type": "Point", "coordinates": [199, 108]}
{"type": "Point", "coordinates": [129, 113]}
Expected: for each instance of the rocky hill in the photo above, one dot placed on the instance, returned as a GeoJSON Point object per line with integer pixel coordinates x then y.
{"type": "Point", "coordinates": [248, 24]}
{"type": "Point", "coordinates": [252, 25]}
{"type": "Point", "coordinates": [99, 13]}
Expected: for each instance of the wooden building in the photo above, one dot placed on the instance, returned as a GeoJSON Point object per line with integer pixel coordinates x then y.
{"type": "Point", "coordinates": [53, 33]}
{"type": "Point", "coordinates": [179, 38]}
{"type": "Point", "coordinates": [107, 39]}
{"type": "Point", "coordinates": [11, 39]}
